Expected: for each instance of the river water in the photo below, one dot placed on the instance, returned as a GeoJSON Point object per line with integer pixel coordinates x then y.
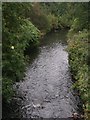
{"type": "Point", "coordinates": [46, 90]}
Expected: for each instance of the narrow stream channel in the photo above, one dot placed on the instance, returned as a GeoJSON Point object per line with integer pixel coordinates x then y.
{"type": "Point", "coordinates": [46, 90]}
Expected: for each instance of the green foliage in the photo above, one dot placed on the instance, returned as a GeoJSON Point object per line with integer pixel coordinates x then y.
{"type": "Point", "coordinates": [42, 17]}
{"type": "Point", "coordinates": [78, 59]}
{"type": "Point", "coordinates": [78, 50]}
{"type": "Point", "coordinates": [7, 89]}
{"type": "Point", "coordinates": [18, 34]}
{"type": "Point", "coordinates": [29, 34]}
{"type": "Point", "coordinates": [74, 15]}
{"type": "Point", "coordinates": [39, 18]}
{"type": "Point", "coordinates": [63, 21]}
{"type": "Point", "coordinates": [53, 21]}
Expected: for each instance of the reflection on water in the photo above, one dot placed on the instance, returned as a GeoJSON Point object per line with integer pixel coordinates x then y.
{"type": "Point", "coordinates": [46, 89]}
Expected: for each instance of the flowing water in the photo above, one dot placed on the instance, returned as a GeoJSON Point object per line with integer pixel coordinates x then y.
{"type": "Point", "coordinates": [46, 90]}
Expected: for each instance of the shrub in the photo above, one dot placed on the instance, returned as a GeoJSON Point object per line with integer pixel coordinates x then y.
{"type": "Point", "coordinates": [78, 59]}
{"type": "Point", "coordinates": [17, 36]}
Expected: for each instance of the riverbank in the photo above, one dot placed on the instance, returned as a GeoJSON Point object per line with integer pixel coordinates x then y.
{"type": "Point", "coordinates": [78, 60]}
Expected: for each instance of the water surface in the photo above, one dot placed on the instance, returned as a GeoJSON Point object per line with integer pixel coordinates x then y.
{"type": "Point", "coordinates": [46, 88]}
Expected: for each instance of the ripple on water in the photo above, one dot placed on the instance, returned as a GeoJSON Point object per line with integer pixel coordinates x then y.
{"type": "Point", "coordinates": [47, 83]}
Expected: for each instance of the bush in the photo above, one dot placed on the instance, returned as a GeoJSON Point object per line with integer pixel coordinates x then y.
{"type": "Point", "coordinates": [53, 21]}
{"type": "Point", "coordinates": [16, 38]}
{"type": "Point", "coordinates": [7, 89]}
{"type": "Point", "coordinates": [78, 59]}
{"type": "Point", "coordinates": [39, 18]}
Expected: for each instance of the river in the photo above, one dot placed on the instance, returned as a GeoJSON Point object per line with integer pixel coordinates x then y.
{"type": "Point", "coordinates": [46, 90]}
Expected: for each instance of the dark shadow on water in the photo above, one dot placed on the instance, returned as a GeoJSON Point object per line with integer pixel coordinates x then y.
{"type": "Point", "coordinates": [53, 36]}
{"type": "Point", "coordinates": [32, 53]}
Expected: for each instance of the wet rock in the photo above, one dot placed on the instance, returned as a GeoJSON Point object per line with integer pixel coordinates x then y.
{"type": "Point", "coordinates": [77, 116]}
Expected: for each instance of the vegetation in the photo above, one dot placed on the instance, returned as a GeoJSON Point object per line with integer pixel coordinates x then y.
{"type": "Point", "coordinates": [24, 24]}
{"type": "Point", "coordinates": [78, 60]}
{"type": "Point", "coordinates": [18, 34]}
{"type": "Point", "coordinates": [21, 31]}
{"type": "Point", "coordinates": [78, 52]}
